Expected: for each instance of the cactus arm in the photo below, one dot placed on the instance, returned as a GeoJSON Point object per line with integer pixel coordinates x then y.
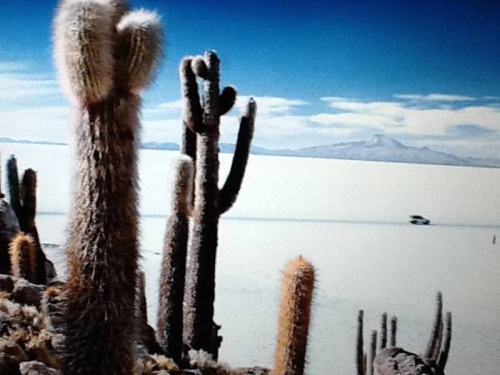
{"type": "Point", "coordinates": [139, 49]}
{"type": "Point", "coordinates": [437, 348]}
{"type": "Point", "coordinates": [192, 115]}
{"type": "Point", "coordinates": [443, 356]}
{"type": "Point", "coordinates": [84, 47]}
{"type": "Point", "coordinates": [295, 309]}
{"type": "Point", "coordinates": [438, 318]}
{"type": "Point", "coordinates": [229, 192]}
{"type": "Point", "coordinates": [226, 100]}
{"type": "Point", "coordinates": [373, 353]}
{"type": "Point", "coordinates": [13, 186]}
{"type": "Point", "coordinates": [170, 313]}
{"type": "Point", "coordinates": [359, 344]}
{"type": "Point", "coordinates": [383, 331]}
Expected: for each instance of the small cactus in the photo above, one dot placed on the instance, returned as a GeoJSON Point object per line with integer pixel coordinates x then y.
{"type": "Point", "coordinates": [170, 313]}
{"type": "Point", "coordinates": [23, 257]}
{"type": "Point", "coordinates": [436, 328]}
{"type": "Point", "coordinates": [393, 331]}
{"type": "Point", "coordinates": [373, 353]}
{"type": "Point", "coordinates": [360, 368]}
{"type": "Point", "coordinates": [383, 331]}
{"type": "Point", "coordinates": [295, 309]}
{"type": "Point", "coordinates": [443, 356]}
{"type": "Point", "coordinates": [23, 201]}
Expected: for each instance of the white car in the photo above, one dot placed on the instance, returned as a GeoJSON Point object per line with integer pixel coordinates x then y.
{"type": "Point", "coordinates": [419, 220]}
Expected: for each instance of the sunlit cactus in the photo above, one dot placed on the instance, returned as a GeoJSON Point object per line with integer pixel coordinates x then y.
{"type": "Point", "coordinates": [295, 310]}
{"type": "Point", "coordinates": [170, 313]}
{"type": "Point", "coordinates": [23, 257]}
{"type": "Point", "coordinates": [105, 55]}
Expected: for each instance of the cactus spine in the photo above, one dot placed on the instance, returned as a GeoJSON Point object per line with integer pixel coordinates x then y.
{"type": "Point", "coordinates": [105, 57]}
{"type": "Point", "coordinates": [23, 257]}
{"type": "Point", "coordinates": [170, 313]}
{"type": "Point", "coordinates": [295, 309]}
{"type": "Point", "coordinates": [201, 138]}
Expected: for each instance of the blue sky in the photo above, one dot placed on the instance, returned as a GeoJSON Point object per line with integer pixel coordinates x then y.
{"type": "Point", "coordinates": [423, 72]}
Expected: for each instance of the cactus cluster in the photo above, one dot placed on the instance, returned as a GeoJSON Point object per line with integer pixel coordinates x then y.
{"type": "Point", "coordinates": [433, 360]}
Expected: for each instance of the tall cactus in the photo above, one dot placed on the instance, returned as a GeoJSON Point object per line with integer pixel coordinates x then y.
{"type": "Point", "coordinates": [170, 313]}
{"type": "Point", "coordinates": [23, 201]}
{"type": "Point", "coordinates": [201, 143]}
{"type": "Point", "coordinates": [295, 309]}
{"type": "Point", "coordinates": [23, 257]}
{"type": "Point", "coordinates": [105, 56]}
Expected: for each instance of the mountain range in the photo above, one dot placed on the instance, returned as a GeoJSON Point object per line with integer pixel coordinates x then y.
{"type": "Point", "coordinates": [378, 148]}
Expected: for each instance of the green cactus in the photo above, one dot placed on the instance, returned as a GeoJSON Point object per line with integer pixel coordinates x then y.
{"type": "Point", "coordinates": [295, 309]}
{"type": "Point", "coordinates": [105, 56]}
{"type": "Point", "coordinates": [23, 257]}
{"type": "Point", "coordinates": [201, 143]}
{"type": "Point", "coordinates": [170, 313]}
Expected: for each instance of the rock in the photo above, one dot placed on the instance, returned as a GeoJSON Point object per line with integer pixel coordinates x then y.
{"type": "Point", "coordinates": [397, 361]}
{"type": "Point", "coordinates": [9, 227]}
{"type": "Point", "coordinates": [11, 355]}
{"type": "Point", "coordinates": [36, 368]}
{"type": "Point", "coordinates": [6, 284]}
{"type": "Point", "coordinates": [26, 293]}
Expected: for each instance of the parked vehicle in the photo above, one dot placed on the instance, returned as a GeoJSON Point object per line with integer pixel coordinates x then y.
{"type": "Point", "coordinates": [419, 220]}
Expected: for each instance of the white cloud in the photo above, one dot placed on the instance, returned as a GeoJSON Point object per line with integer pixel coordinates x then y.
{"type": "Point", "coordinates": [434, 97]}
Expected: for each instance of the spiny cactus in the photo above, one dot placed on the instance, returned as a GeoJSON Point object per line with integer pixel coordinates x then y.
{"type": "Point", "coordinates": [23, 257]}
{"type": "Point", "coordinates": [170, 313]}
{"type": "Point", "coordinates": [105, 56]}
{"type": "Point", "coordinates": [201, 143]}
{"type": "Point", "coordinates": [295, 309]}
{"type": "Point", "coordinates": [436, 328]}
{"type": "Point", "coordinates": [360, 368]}
{"type": "Point", "coordinates": [23, 201]}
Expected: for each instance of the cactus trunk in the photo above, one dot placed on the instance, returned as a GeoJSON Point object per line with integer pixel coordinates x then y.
{"type": "Point", "coordinates": [103, 241]}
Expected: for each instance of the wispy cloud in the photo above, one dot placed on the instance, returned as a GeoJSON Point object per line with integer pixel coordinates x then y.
{"type": "Point", "coordinates": [434, 97]}
{"type": "Point", "coordinates": [18, 82]}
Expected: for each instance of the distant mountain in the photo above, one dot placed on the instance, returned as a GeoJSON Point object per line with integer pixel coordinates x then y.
{"type": "Point", "coordinates": [382, 148]}
{"type": "Point", "coordinates": [24, 141]}
{"type": "Point", "coordinates": [378, 148]}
